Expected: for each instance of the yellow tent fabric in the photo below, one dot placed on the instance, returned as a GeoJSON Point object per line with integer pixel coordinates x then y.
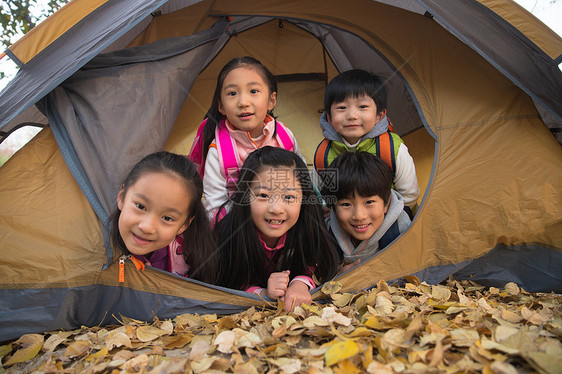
{"type": "Point", "coordinates": [52, 28]}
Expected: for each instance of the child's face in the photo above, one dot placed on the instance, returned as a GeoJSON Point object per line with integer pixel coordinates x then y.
{"type": "Point", "coordinates": [361, 216]}
{"type": "Point", "coordinates": [153, 211]}
{"type": "Point", "coordinates": [245, 100]}
{"type": "Point", "coordinates": [275, 202]}
{"type": "Point", "coordinates": [354, 117]}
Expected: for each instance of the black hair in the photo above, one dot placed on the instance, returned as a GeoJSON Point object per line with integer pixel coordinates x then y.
{"type": "Point", "coordinates": [243, 261]}
{"type": "Point", "coordinates": [214, 116]}
{"type": "Point", "coordinates": [199, 241]}
{"type": "Point", "coordinates": [355, 83]}
{"type": "Point", "coordinates": [359, 173]}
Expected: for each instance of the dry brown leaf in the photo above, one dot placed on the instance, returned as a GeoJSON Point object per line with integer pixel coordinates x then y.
{"type": "Point", "coordinates": [5, 349]}
{"type": "Point", "coordinates": [149, 333]}
{"type": "Point", "coordinates": [412, 279]}
{"type": "Point", "coordinates": [413, 329]}
{"type": "Point", "coordinates": [502, 368]}
{"type": "Point", "coordinates": [30, 345]}
{"type": "Point", "coordinates": [225, 341]}
{"type": "Point", "coordinates": [464, 337]}
{"type": "Point", "coordinates": [394, 338]}
{"type": "Point", "coordinates": [463, 300]}
{"type": "Point", "coordinates": [512, 289]}
{"type": "Point", "coordinates": [78, 348]}
{"type": "Point", "coordinates": [490, 344]}
{"type": "Point", "coordinates": [167, 326]}
{"type": "Point", "coordinates": [510, 316]}
{"type": "Point", "coordinates": [175, 341]}
{"type": "Point", "coordinates": [314, 321]}
{"type": "Point", "coordinates": [383, 304]}
{"type": "Point", "coordinates": [549, 363]}
{"type": "Point", "coordinates": [504, 332]}
{"type": "Point", "coordinates": [341, 299]}
{"type": "Point", "coordinates": [199, 350]}
{"type": "Point", "coordinates": [116, 340]}
{"type": "Point", "coordinates": [331, 287]}
{"type": "Point", "coordinates": [137, 363]}
{"type": "Point", "coordinates": [440, 293]}
{"type": "Point", "coordinates": [54, 340]}
{"type": "Point", "coordinates": [432, 338]}
{"type": "Point", "coordinates": [329, 314]}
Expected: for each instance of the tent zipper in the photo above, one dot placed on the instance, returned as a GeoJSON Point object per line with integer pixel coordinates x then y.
{"type": "Point", "coordinates": [138, 264]}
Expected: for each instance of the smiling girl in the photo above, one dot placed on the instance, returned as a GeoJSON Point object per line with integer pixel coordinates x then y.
{"type": "Point", "coordinates": [160, 219]}
{"type": "Point", "coordinates": [274, 238]}
{"type": "Point", "coordinates": [239, 121]}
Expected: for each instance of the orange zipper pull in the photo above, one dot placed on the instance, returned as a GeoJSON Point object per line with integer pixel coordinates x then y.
{"type": "Point", "coordinates": [122, 269]}
{"type": "Point", "coordinates": [138, 263]}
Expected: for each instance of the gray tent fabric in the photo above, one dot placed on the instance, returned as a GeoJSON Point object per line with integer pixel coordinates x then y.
{"type": "Point", "coordinates": [70, 52]}
{"type": "Point", "coordinates": [98, 304]}
{"type": "Point", "coordinates": [97, 104]}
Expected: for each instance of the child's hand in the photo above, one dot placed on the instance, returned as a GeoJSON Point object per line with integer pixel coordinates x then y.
{"type": "Point", "coordinates": [277, 284]}
{"type": "Point", "coordinates": [296, 294]}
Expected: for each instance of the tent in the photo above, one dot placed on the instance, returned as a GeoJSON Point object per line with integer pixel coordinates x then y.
{"type": "Point", "coordinates": [475, 91]}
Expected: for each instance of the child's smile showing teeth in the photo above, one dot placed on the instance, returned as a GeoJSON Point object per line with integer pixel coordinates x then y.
{"type": "Point", "coordinates": [360, 216]}
{"type": "Point", "coordinates": [275, 203]}
{"type": "Point", "coordinates": [275, 222]}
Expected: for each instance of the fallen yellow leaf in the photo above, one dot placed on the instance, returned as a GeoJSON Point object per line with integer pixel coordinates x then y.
{"type": "Point", "coordinates": [31, 345]}
{"type": "Point", "coordinates": [341, 351]}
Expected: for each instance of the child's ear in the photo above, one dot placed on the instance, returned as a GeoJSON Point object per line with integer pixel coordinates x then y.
{"type": "Point", "coordinates": [185, 226]}
{"type": "Point", "coordinates": [381, 114]}
{"type": "Point", "coordinates": [120, 197]}
{"type": "Point", "coordinates": [272, 101]}
{"type": "Point", "coordinates": [221, 109]}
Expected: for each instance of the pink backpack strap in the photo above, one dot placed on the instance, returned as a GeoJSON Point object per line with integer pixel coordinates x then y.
{"type": "Point", "coordinates": [283, 136]}
{"type": "Point", "coordinates": [176, 261]}
{"type": "Point", "coordinates": [196, 152]}
{"type": "Point", "coordinates": [227, 154]}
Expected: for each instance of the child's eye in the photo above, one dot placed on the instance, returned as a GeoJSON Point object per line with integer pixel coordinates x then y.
{"type": "Point", "coordinates": [345, 204]}
{"type": "Point", "coordinates": [363, 106]}
{"type": "Point", "coordinates": [254, 91]}
{"type": "Point", "coordinates": [370, 202]}
{"type": "Point", "coordinates": [168, 219]}
{"type": "Point", "coordinates": [290, 198]}
{"type": "Point", "coordinates": [263, 196]}
{"type": "Point", "coordinates": [140, 206]}
{"type": "Point", "coordinates": [341, 107]}
{"type": "Point", "coordinates": [231, 93]}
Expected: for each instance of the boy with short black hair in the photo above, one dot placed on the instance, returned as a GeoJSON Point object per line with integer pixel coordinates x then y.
{"type": "Point", "coordinates": [355, 120]}
{"type": "Point", "coordinates": [366, 213]}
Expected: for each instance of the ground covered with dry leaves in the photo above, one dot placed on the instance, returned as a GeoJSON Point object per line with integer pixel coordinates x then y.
{"type": "Point", "coordinates": [418, 328]}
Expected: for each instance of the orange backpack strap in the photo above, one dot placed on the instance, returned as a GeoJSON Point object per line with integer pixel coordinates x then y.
{"type": "Point", "coordinates": [385, 150]}
{"type": "Point", "coordinates": [390, 125]}
{"type": "Point", "coordinates": [321, 155]}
